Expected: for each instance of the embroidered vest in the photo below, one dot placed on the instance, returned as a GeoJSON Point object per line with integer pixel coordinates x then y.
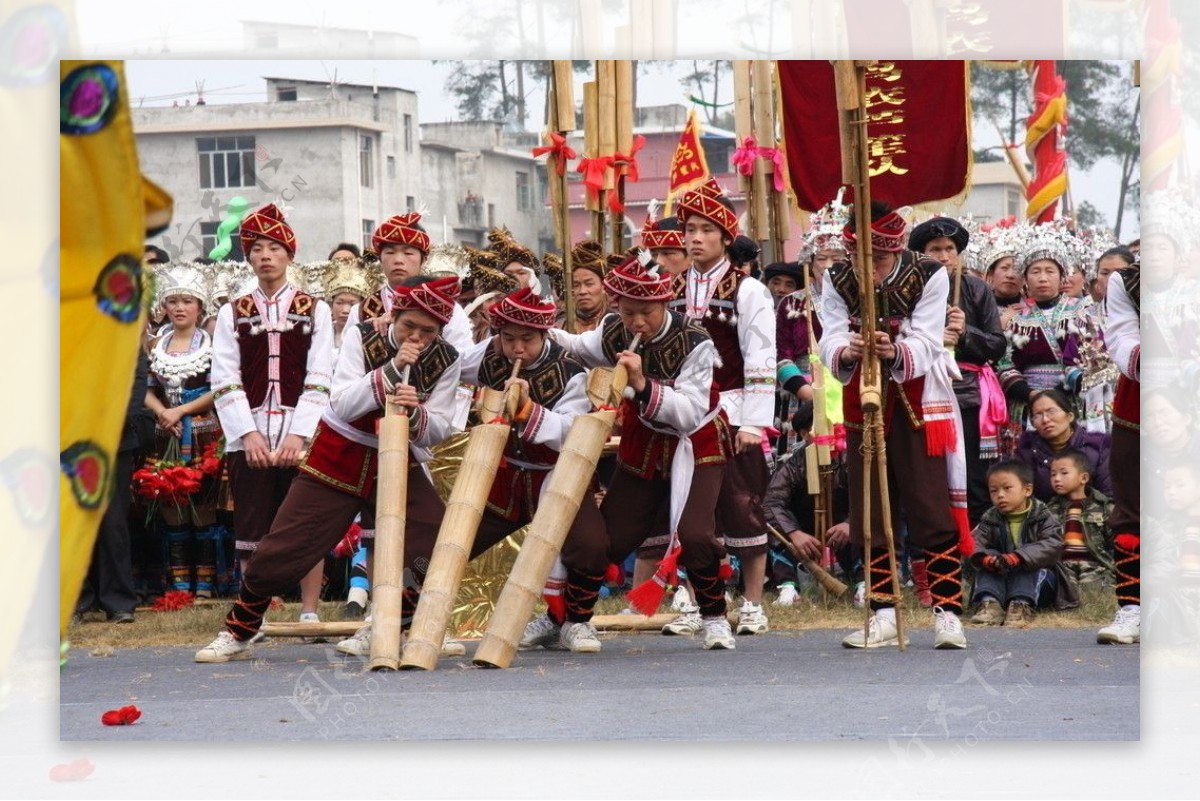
{"type": "Point", "coordinates": [895, 301]}
{"type": "Point", "coordinates": [720, 321]}
{"type": "Point", "coordinates": [645, 452]}
{"type": "Point", "coordinates": [254, 349]}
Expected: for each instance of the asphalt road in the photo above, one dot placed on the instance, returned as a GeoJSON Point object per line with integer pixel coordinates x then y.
{"type": "Point", "coordinates": [1052, 684]}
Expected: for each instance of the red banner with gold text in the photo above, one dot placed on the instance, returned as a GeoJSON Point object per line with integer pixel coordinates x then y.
{"type": "Point", "coordinates": [920, 143]}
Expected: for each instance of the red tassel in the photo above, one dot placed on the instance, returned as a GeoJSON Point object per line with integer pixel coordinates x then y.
{"type": "Point", "coordinates": [647, 596]}
{"type": "Point", "coordinates": [940, 437]}
{"type": "Point", "coordinates": [966, 542]}
{"type": "Point", "coordinates": [613, 574]}
{"type": "Point", "coordinates": [1128, 542]}
{"type": "Point", "coordinates": [725, 571]}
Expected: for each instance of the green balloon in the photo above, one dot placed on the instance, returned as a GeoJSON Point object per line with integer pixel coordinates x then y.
{"type": "Point", "coordinates": [235, 210]}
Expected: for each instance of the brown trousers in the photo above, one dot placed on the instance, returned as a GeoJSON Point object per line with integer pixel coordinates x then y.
{"type": "Point", "coordinates": [740, 518]}
{"type": "Point", "coordinates": [314, 518]}
{"type": "Point", "coordinates": [258, 494]}
{"type": "Point", "coordinates": [636, 507]}
{"type": "Point", "coordinates": [917, 487]}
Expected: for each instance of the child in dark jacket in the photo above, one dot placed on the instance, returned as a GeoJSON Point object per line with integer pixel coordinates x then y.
{"type": "Point", "coordinates": [1018, 543]}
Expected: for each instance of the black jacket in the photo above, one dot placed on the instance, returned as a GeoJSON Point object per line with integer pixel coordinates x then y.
{"type": "Point", "coordinates": [982, 341]}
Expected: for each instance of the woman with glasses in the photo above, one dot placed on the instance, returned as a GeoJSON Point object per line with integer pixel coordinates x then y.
{"type": "Point", "coordinates": [1055, 430]}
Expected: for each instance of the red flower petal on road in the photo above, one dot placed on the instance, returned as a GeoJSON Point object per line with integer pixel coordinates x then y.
{"type": "Point", "coordinates": [124, 716]}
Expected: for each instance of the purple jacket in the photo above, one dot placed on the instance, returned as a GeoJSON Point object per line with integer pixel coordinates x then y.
{"type": "Point", "coordinates": [1037, 453]}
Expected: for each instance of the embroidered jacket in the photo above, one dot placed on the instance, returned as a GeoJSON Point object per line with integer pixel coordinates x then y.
{"type": "Point", "coordinates": [272, 365]}
{"type": "Point", "coordinates": [558, 390]}
{"type": "Point", "coordinates": [739, 316]}
{"type": "Point", "coordinates": [344, 452]}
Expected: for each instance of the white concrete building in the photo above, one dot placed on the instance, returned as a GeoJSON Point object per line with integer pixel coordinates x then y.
{"type": "Point", "coordinates": [337, 162]}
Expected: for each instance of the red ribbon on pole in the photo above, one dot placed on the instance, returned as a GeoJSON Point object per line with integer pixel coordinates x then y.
{"type": "Point", "coordinates": [593, 171]}
{"type": "Point", "coordinates": [559, 149]}
{"type": "Point", "coordinates": [748, 151]}
{"type": "Point", "coordinates": [628, 163]}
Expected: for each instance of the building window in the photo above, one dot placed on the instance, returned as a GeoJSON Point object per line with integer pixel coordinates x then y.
{"type": "Point", "coordinates": [208, 241]}
{"type": "Point", "coordinates": [286, 93]}
{"type": "Point", "coordinates": [408, 133]}
{"type": "Point", "coordinates": [524, 193]}
{"type": "Point", "coordinates": [367, 231]}
{"type": "Point", "coordinates": [226, 162]}
{"type": "Point", "coordinates": [410, 203]}
{"type": "Point", "coordinates": [1014, 202]}
{"type": "Point", "coordinates": [391, 166]}
{"type": "Point", "coordinates": [366, 161]}
{"type": "Point", "coordinates": [491, 222]}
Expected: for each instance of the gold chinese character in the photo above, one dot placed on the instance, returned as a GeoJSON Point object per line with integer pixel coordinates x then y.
{"type": "Point", "coordinates": [887, 117]}
{"type": "Point", "coordinates": [892, 96]}
{"type": "Point", "coordinates": [884, 71]}
{"type": "Point", "coordinates": [883, 151]}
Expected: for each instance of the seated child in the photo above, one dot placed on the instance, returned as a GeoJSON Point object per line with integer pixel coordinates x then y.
{"type": "Point", "coordinates": [1083, 511]}
{"type": "Point", "coordinates": [1018, 542]}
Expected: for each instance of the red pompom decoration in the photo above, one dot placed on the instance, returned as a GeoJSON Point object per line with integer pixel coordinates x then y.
{"type": "Point", "coordinates": [725, 571]}
{"type": "Point", "coordinates": [74, 771]}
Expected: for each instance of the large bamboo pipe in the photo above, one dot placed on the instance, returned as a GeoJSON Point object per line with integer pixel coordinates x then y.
{"type": "Point", "coordinates": [456, 538]}
{"type": "Point", "coordinates": [390, 512]}
{"type": "Point", "coordinates": [565, 489]}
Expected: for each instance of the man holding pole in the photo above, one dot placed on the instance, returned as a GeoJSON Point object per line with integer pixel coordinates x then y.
{"type": "Point", "coordinates": [337, 478]}
{"type": "Point", "coordinates": [922, 428]}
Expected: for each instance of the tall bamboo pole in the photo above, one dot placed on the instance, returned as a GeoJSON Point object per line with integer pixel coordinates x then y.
{"type": "Point", "coordinates": [623, 131]}
{"type": "Point", "coordinates": [591, 150]}
{"type": "Point", "coordinates": [562, 120]}
{"type": "Point", "coordinates": [850, 81]}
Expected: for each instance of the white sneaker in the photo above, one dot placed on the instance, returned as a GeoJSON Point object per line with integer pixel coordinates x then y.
{"type": "Point", "coordinates": [752, 619]}
{"type": "Point", "coordinates": [860, 595]}
{"type": "Point", "coordinates": [881, 633]}
{"type": "Point", "coordinates": [579, 638]}
{"type": "Point", "coordinates": [1126, 627]}
{"type": "Point", "coordinates": [787, 596]}
{"type": "Point", "coordinates": [717, 634]}
{"type": "Point", "coordinates": [358, 645]}
{"type": "Point", "coordinates": [225, 648]}
{"type": "Point", "coordinates": [947, 630]}
{"type": "Point", "coordinates": [682, 599]}
{"type": "Point", "coordinates": [687, 624]}
{"type": "Point", "coordinates": [540, 632]}
{"type": "Point", "coordinates": [453, 647]}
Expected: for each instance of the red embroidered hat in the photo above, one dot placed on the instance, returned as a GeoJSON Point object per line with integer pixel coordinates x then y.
{"type": "Point", "coordinates": [887, 233]}
{"type": "Point", "coordinates": [661, 233]}
{"type": "Point", "coordinates": [435, 297]}
{"type": "Point", "coordinates": [637, 282]}
{"type": "Point", "coordinates": [524, 308]}
{"type": "Point", "coordinates": [401, 229]}
{"type": "Point", "coordinates": [703, 201]}
{"type": "Point", "coordinates": [267, 223]}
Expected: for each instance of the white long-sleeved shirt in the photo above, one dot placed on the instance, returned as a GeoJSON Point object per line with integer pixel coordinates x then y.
{"type": "Point", "coordinates": [1123, 333]}
{"type": "Point", "coordinates": [917, 353]}
{"type": "Point", "coordinates": [271, 419]}
{"type": "Point", "coordinates": [358, 391]}
{"type": "Point", "coordinates": [546, 425]}
{"type": "Point", "coordinates": [751, 407]}
{"type": "Point", "coordinates": [681, 405]}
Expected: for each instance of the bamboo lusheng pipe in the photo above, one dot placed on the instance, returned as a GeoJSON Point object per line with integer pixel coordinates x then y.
{"type": "Point", "coordinates": [823, 576]}
{"type": "Point", "coordinates": [565, 489]}
{"type": "Point", "coordinates": [764, 133]}
{"type": "Point", "coordinates": [821, 427]}
{"type": "Point", "coordinates": [455, 539]}
{"type": "Point", "coordinates": [332, 628]}
{"type": "Point", "coordinates": [391, 500]}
